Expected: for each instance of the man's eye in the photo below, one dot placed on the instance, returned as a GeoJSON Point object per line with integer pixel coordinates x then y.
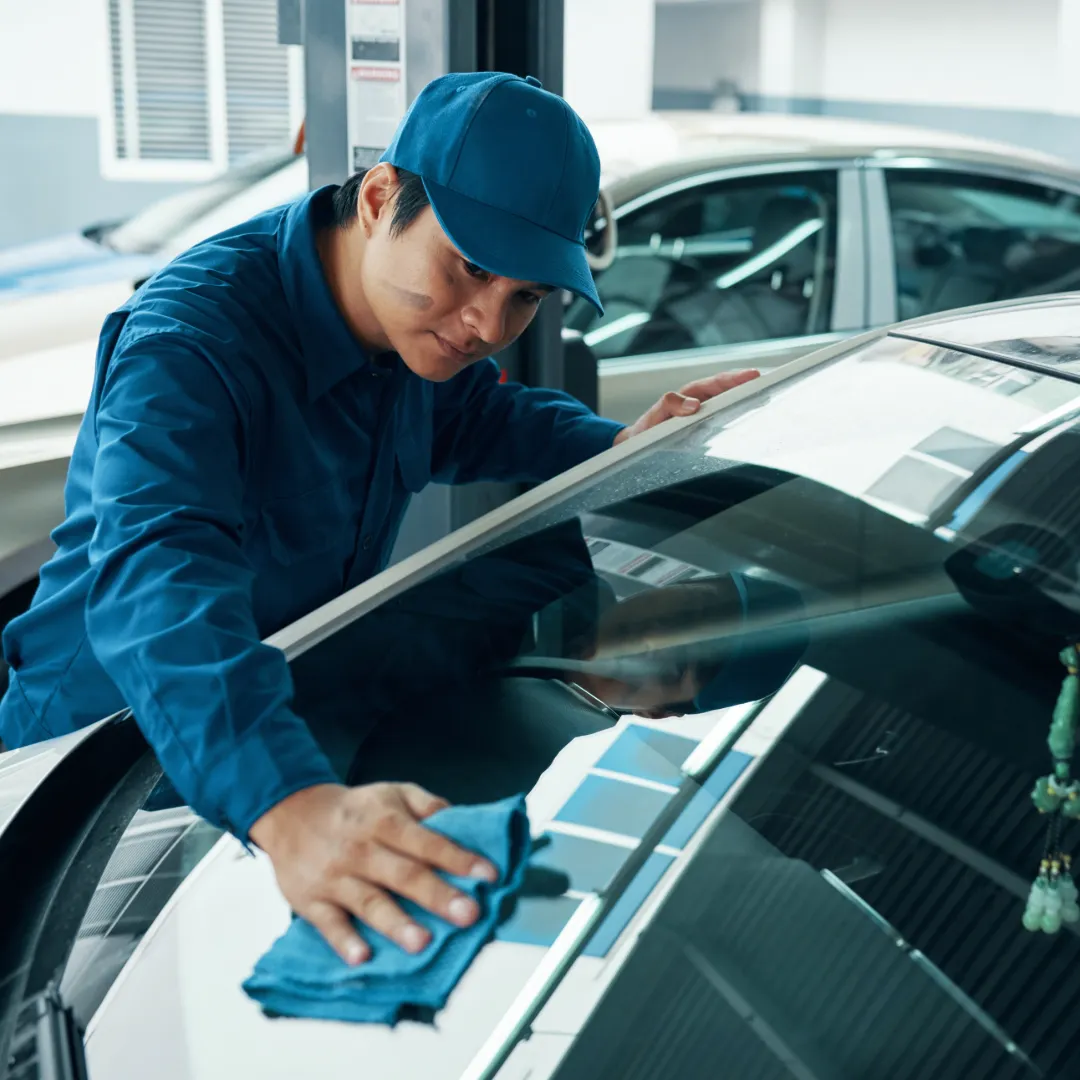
{"type": "Point", "coordinates": [475, 271]}
{"type": "Point", "coordinates": [531, 298]}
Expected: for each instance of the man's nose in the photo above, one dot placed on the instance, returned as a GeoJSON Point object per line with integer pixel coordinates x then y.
{"type": "Point", "coordinates": [486, 318]}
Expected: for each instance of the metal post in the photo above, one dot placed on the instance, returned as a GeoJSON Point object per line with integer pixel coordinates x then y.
{"type": "Point", "coordinates": [326, 115]}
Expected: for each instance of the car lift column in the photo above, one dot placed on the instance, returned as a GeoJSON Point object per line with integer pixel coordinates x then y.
{"type": "Point", "coordinates": [521, 36]}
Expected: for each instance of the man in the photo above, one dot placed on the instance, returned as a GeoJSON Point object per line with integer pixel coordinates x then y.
{"type": "Point", "coordinates": [261, 412]}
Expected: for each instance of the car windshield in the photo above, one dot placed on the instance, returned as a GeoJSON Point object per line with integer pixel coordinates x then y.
{"type": "Point", "coordinates": [151, 229]}
{"type": "Point", "coordinates": [835, 610]}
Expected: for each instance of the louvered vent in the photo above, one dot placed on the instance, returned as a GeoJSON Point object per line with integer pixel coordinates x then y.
{"type": "Point", "coordinates": [197, 82]}
{"type": "Point", "coordinates": [256, 78]}
{"type": "Point", "coordinates": [171, 80]}
{"type": "Point", "coordinates": [116, 56]}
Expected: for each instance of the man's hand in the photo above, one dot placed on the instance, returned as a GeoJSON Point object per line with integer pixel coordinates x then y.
{"type": "Point", "coordinates": [340, 851]}
{"type": "Point", "coordinates": [686, 401]}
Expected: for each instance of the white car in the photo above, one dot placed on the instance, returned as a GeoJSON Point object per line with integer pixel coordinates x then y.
{"type": "Point", "coordinates": [828, 874]}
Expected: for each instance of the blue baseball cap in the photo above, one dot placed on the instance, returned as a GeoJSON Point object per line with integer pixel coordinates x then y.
{"type": "Point", "coordinates": [511, 172]}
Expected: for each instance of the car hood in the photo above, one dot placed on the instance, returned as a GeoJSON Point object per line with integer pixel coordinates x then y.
{"type": "Point", "coordinates": [64, 262]}
{"type": "Point", "coordinates": [181, 989]}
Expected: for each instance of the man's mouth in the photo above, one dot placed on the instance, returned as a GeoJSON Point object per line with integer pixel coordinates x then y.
{"type": "Point", "coordinates": [456, 352]}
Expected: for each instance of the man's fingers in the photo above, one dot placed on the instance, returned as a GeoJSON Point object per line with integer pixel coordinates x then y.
{"type": "Point", "coordinates": [420, 802]}
{"type": "Point", "coordinates": [334, 925]}
{"type": "Point", "coordinates": [416, 882]}
{"type": "Point", "coordinates": [374, 908]}
{"type": "Point", "coordinates": [704, 389]}
{"type": "Point", "coordinates": [673, 404]}
{"type": "Point", "coordinates": [427, 846]}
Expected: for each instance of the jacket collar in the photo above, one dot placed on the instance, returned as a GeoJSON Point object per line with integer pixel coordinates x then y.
{"type": "Point", "coordinates": [331, 353]}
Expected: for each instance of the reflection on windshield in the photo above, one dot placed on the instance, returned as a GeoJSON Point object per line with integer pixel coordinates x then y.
{"type": "Point", "coordinates": [152, 228]}
{"type": "Point", "coordinates": [857, 521]}
{"type": "Point", "coordinates": [157, 852]}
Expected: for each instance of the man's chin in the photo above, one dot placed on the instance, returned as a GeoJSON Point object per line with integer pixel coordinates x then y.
{"type": "Point", "coordinates": [432, 367]}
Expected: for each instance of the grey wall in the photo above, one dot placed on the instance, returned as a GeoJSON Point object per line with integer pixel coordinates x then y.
{"type": "Point", "coordinates": [1051, 133]}
{"type": "Point", "coordinates": [698, 44]}
{"type": "Point", "coordinates": [50, 179]}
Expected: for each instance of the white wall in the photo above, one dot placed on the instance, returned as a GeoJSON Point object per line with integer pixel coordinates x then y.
{"type": "Point", "coordinates": [699, 43]}
{"type": "Point", "coordinates": [53, 57]}
{"type": "Point", "coordinates": [608, 58]}
{"type": "Point", "coordinates": [982, 53]}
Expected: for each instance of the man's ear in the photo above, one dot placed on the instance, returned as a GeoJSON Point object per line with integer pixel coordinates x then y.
{"type": "Point", "coordinates": [375, 197]}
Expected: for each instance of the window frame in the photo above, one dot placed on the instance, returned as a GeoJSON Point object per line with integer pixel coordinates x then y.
{"type": "Point", "coordinates": [881, 247]}
{"type": "Point", "coordinates": [847, 309]}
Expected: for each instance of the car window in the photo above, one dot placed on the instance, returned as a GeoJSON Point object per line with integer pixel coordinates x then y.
{"type": "Point", "coordinates": [151, 229]}
{"type": "Point", "coordinates": [742, 260]}
{"type": "Point", "coordinates": [962, 239]}
{"type": "Point", "coordinates": [880, 554]}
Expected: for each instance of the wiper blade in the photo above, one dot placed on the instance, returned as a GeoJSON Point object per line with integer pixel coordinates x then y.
{"type": "Point", "coordinates": [919, 958]}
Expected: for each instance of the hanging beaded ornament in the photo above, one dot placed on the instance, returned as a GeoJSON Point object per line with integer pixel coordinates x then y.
{"type": "Point", "coordinates": [1053, 896]}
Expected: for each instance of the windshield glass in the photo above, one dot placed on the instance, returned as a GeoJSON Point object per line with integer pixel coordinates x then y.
{"type": "Point", "coordinates": [152, 228]}
{"type": "Point", "coordinates": [873, 565]}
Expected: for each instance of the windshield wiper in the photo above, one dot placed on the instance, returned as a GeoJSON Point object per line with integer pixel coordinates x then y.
{"type": "Point", "coordinates": [921, 960]}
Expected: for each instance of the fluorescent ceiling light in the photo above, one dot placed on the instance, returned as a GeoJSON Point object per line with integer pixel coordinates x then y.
{"type": "Point", "coordinates": [770, 254]}
{"type": "Point", "coordinates": [627, 322]}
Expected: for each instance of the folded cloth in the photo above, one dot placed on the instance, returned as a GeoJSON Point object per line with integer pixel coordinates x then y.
{"type": "Point", "coordinates": [302, 976]}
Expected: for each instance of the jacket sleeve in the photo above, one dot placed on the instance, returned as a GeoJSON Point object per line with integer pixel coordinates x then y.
{"type": "Point", "coordinates": [169, 614]}
{"type": "Point", "coordinates": [487, 430]}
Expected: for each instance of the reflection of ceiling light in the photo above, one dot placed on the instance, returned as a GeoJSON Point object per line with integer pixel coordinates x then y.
{"type": "Point", "coordinates": [627, 322]}
{"type": "Point", "coordinates": [770, 254]}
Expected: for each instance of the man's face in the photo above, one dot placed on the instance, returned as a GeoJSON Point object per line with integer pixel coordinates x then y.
{"type": "Point", "coordinates": [437, 310]}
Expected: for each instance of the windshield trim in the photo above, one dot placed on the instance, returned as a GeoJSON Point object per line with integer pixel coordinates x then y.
{"type": "Point", "coordinates": [991, 354]}
{"type": "Point", "coordinates": [325, 621]}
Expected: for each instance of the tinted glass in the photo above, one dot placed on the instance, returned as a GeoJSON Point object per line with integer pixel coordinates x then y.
{"type": "Point", "coordinates": [963, 240]}
{"type": "Point", "coordinates": [717, 264]}
{"type": "Point", "coordinates": [888, 544]}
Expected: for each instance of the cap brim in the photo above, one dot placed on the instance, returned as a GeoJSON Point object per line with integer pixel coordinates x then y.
{"type": "Point", "coordinates": [509, 246]}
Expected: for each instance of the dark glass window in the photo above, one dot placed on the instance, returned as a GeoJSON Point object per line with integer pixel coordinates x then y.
{"type": "Point", "coordinates": [962, 239]}
{"type": "Point", "coordinates": [718, 264]}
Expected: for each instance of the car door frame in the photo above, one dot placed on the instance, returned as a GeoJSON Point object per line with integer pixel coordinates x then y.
{"type": "Point", "coordinates": [629, 378]}
{"type": "Point", "coordinates": [881, 250]}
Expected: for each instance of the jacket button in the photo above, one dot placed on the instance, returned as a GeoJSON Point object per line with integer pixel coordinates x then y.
{"type": "Point", "coordinates": [367, 542]}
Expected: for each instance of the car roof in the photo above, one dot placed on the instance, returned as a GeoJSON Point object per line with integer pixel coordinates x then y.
{"type": "Point", "coordinates": [677, 144]}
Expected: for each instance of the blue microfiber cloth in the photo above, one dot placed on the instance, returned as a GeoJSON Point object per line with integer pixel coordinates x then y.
{"type": "Point", "coordinates": [302, 976]}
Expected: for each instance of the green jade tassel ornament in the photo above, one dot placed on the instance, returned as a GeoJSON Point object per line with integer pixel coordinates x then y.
{"type": "Point", "coordinates": [1053, 897]}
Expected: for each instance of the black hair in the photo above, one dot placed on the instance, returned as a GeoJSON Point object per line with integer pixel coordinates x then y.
{"type": "Point", "coordinates": [410, 199]}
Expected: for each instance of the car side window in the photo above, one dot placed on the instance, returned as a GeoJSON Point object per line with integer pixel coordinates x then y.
{"type": "Point", "coordinates": [749, 259]}
{"type": "Point", "coordinates": [962, 239]}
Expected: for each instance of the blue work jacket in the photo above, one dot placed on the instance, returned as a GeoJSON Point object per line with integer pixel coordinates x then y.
{"type": "Point", "coordinates": [242, 460]}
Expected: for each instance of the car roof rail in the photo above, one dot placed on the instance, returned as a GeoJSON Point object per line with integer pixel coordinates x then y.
{"type": "Point", "coordinates": [54, 847]}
